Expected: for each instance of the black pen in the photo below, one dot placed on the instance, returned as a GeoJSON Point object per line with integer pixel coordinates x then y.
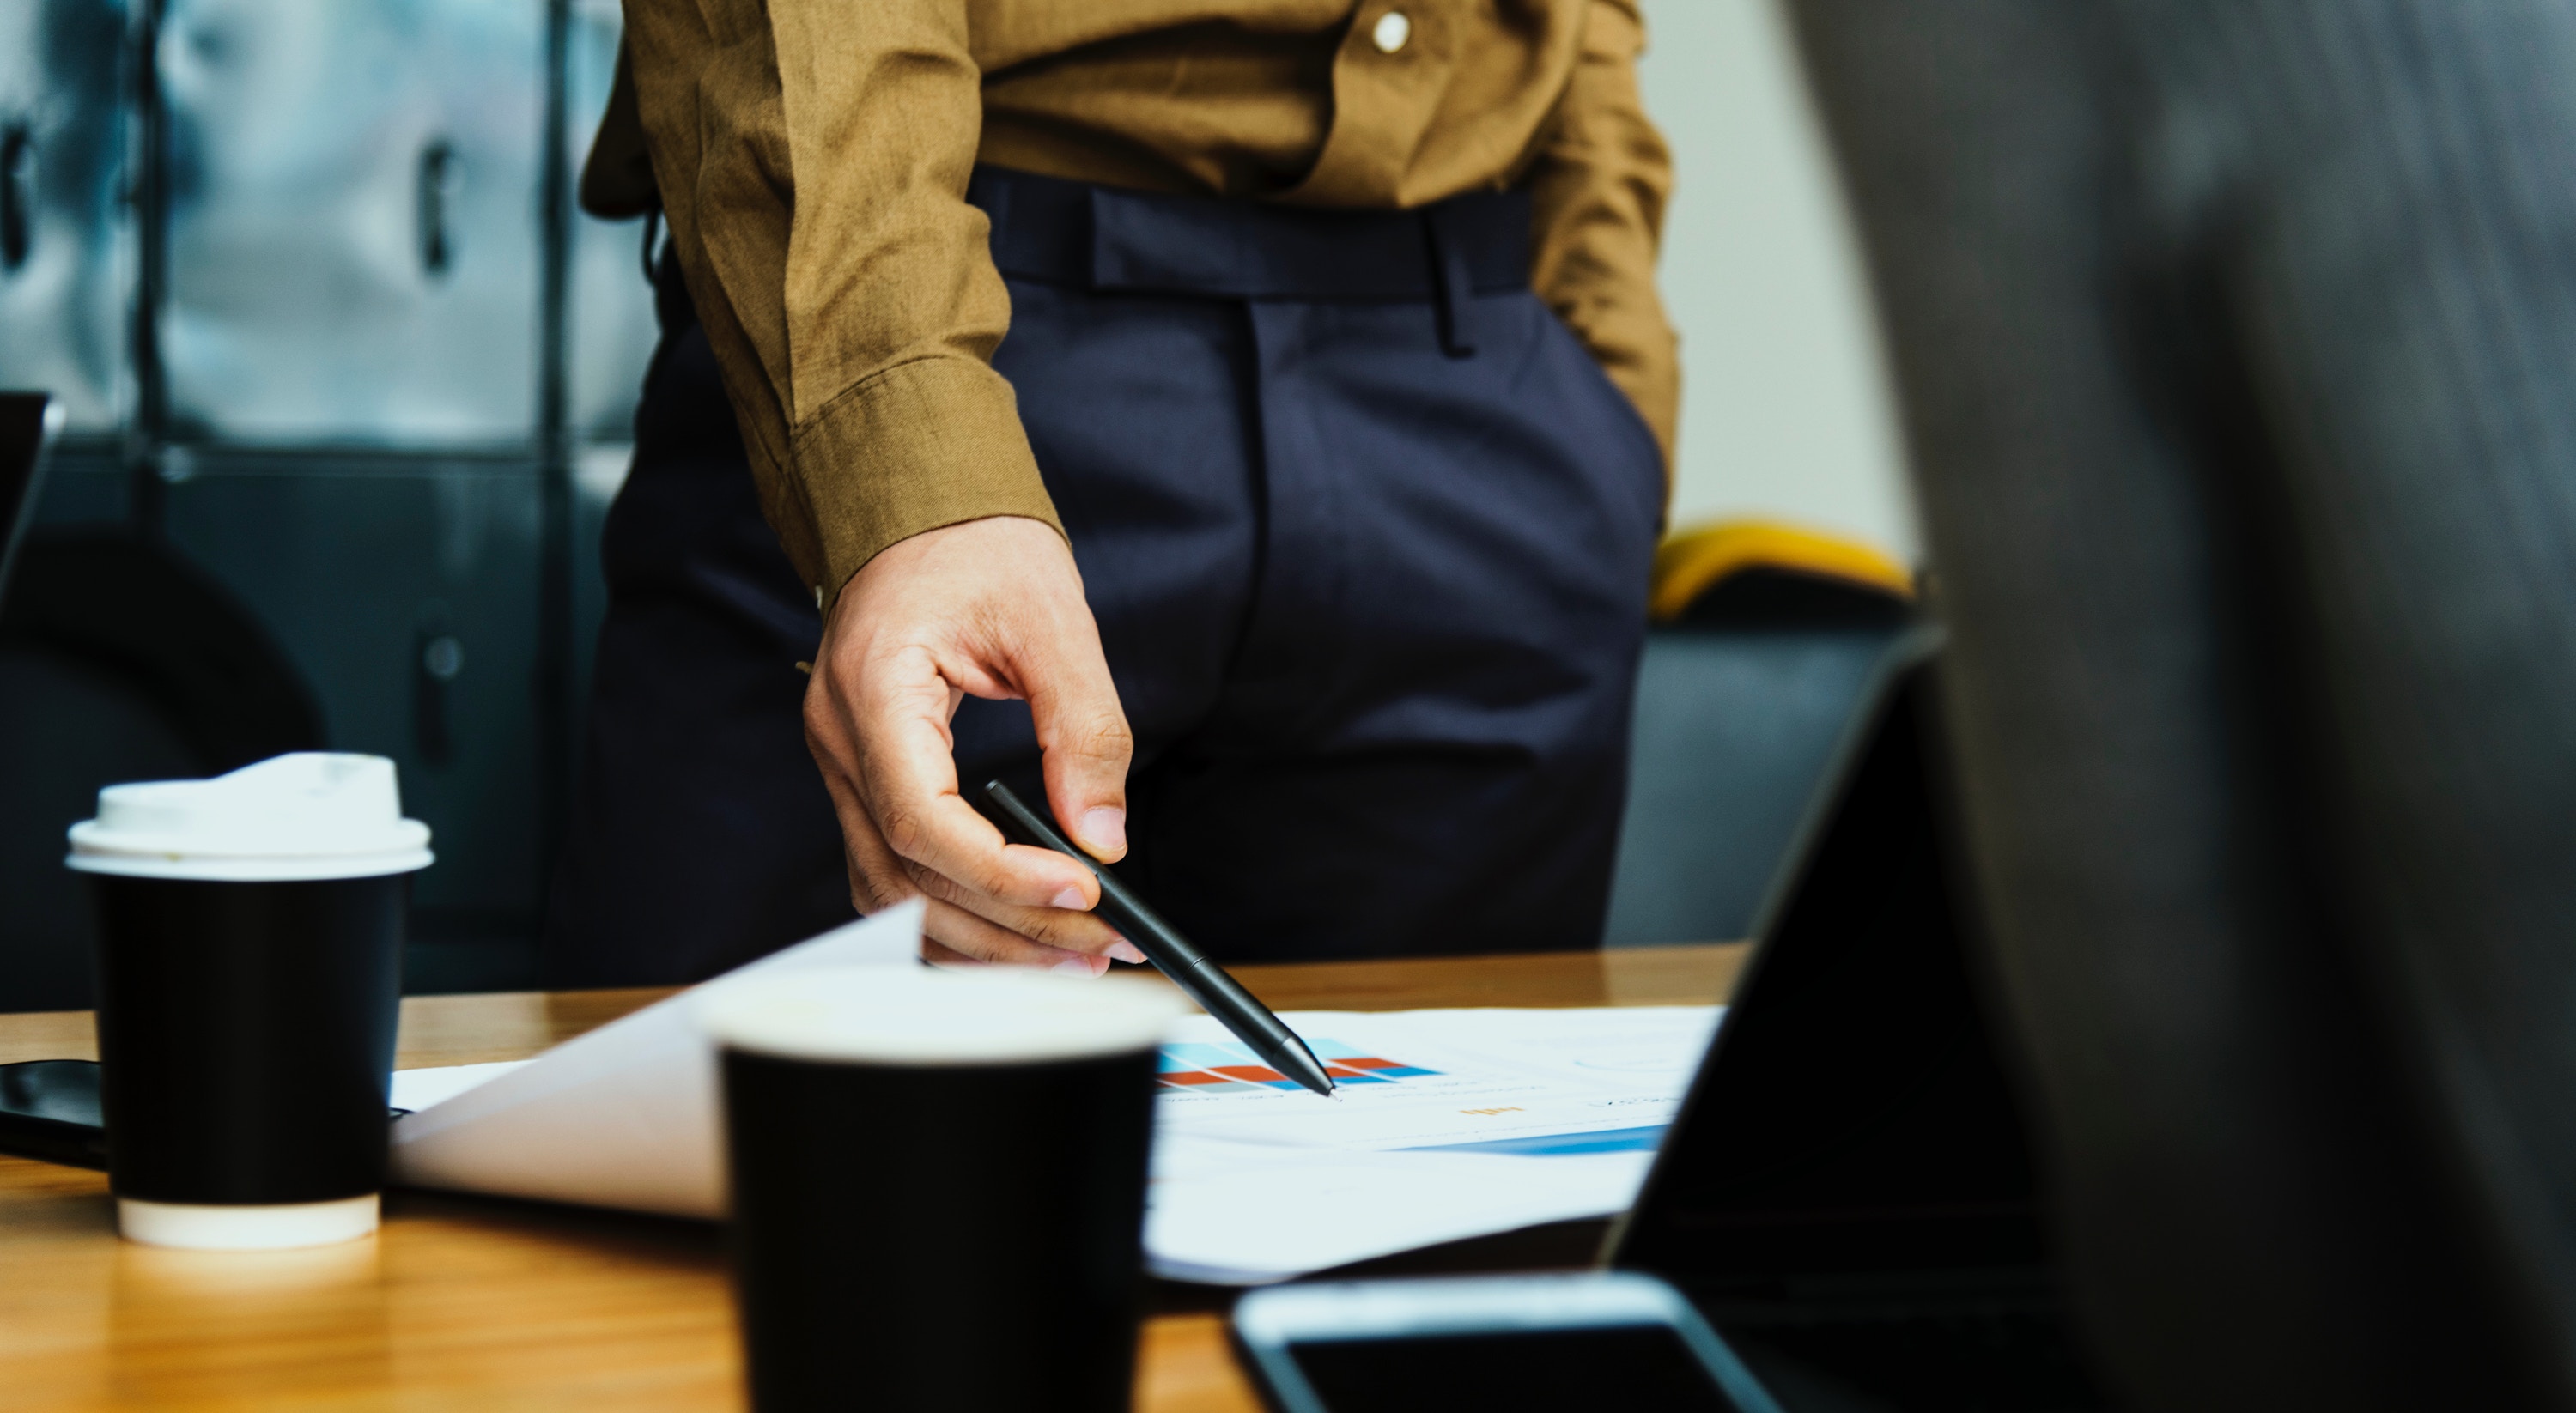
{"type": "Point", "coordinates": [1201, 980]}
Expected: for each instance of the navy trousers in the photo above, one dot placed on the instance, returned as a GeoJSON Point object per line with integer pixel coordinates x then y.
{"type": "Point", "coordinates": [1367, 533]}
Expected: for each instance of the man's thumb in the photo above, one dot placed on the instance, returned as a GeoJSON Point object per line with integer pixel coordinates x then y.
{"type": "Point", "coordinates": [1086, 747]}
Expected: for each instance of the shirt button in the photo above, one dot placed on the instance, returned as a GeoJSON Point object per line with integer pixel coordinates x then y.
{"type": "Point", "coordinates": [1390, 32]}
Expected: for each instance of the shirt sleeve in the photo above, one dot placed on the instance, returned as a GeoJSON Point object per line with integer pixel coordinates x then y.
{"type": "Point", "coordinates": [1598, 186]}
{"type": "Point", "coordinates": [812, 158]}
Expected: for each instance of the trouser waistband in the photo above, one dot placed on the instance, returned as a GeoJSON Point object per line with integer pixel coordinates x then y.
{"type": "Point", "coordinates": [1107, 239]}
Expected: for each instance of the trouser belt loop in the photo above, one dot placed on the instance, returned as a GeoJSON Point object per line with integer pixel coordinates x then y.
{"type": "Point", "coordinates": [1453, 291]}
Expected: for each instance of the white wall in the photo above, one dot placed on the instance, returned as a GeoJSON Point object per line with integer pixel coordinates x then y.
{"type": "Point", "coordinates": [1784, 409]}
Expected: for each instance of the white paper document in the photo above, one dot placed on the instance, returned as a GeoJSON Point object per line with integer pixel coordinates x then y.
{"type": "Point", "coordinates": [1448, 1124]}
{"type": "Point", "coordinates": [624, 1116]}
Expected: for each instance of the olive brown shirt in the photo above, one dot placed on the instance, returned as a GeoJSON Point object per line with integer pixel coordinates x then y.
{"type": "Point", "coordinates": [812, 156]}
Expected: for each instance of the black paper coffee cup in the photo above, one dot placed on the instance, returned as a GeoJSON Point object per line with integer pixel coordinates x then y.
{"type": "Point", "coordinates": [938, 1186]}
{"type": "Point", "coordinates": [250, 933]}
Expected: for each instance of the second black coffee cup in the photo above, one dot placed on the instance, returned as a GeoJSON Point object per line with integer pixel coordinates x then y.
{"type": "Point", "coordinates": [938, 1186]}
{"type": "Point", "coordinates": [250, 933]}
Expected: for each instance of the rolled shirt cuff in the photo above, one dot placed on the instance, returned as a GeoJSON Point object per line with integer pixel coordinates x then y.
{"type": "Point", "coordinates": [923, 444]}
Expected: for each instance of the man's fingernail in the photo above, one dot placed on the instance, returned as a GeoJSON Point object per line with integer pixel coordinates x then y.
{"type": "Point", "coordinates": [1105, 829]}
{"type": "Point", "coordinates": [1071, 898]}
{"type": "Point", "coordinates": [1084, 967]}
{"type": "Point", "coordinates": [1125, 951]}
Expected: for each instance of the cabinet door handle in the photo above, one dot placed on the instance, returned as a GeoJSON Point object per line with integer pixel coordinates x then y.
{"type": "Point", "coordinates": [17, 203]}
{"type": "Point", "coordinates": [438, 655]}
{"type": "Point", "coordinates": [437, 191]}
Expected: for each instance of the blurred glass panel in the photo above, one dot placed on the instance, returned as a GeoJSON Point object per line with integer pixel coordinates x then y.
{"type": "Point", "coordinates": [613, 332]}
{"type": "Point", "coordinates": [353, 218]}
{"type": "Point", "coordinates": [66, 253]}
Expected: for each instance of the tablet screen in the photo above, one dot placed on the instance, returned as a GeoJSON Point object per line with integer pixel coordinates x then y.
{"type": "Point", "coordinates": [1634, 1368]}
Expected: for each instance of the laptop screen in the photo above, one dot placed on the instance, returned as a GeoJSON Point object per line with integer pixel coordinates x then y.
{"type": "Point", "coordinates": [26, 421]}
{"type": "Point", "coordinates": [1850, 1123]}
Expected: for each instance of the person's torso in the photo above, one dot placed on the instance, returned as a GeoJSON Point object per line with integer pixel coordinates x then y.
{"type": "Point", "coordinates": [1369, 103]}
{"type": "Point", "coordinates": [1330, 102]}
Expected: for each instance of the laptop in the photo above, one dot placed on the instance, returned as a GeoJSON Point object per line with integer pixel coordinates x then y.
{"type": "Point", "coordinates": [1849, 1190]}
{"type": "Point", "coordinates": [28, 422]}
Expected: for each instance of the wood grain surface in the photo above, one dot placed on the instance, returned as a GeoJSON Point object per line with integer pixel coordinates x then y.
{"type": "Point", "coordinates": [489, 1305]}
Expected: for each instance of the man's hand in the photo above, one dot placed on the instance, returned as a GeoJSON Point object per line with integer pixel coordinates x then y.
{"type": "Point", "coordinates": [991, 608]}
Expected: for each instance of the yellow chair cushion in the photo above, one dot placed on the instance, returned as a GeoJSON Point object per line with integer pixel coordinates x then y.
{"type": "Point", "coordinates": [1693, 560]}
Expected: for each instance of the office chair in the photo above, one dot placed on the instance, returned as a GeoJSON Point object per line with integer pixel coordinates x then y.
{"type": "Point", "coordinates": [1764, 641]}
{"type": "Point", "coordinates": [119, 661]}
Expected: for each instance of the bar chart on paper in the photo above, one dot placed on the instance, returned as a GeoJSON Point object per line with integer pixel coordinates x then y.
{"type": "Point", "coordinates": [1218, 1069]}
{"type": "Point", "coordinates": [1443, 1124]}
{"type": "Point", "coordinates": [1532, 1083]}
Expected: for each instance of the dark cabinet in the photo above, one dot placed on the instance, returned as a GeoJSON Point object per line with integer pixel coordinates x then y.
{"type": "Point", "coordinates": [403, 590]}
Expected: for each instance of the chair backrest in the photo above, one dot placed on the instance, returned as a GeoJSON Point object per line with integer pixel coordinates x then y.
{"type": "Point", "coordinates": [1733, 731]}
{"type": "Point", "coordinates": [1765, 641]}
{"type": "Point", "coordinates": [119, 660]}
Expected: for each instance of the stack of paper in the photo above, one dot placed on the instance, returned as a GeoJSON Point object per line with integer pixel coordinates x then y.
{"type": "Point", "coordinates": [1448, 1124]}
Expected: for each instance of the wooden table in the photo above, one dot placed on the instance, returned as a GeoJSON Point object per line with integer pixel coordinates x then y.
{"type": "Point", "coordinates": [493, 1305]}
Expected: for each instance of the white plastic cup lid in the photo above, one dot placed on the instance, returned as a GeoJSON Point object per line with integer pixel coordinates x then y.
{"type": "Point", "coordinates": [310, 815]}
{"type": "Point", "coordinates": [891, 1015]}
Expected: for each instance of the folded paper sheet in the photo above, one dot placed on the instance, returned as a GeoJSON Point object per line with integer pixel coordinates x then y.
{"type": "Point", "coordinates": [624, 1116]}
{"type": "Point", "coordinates": [1449, 1124]}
